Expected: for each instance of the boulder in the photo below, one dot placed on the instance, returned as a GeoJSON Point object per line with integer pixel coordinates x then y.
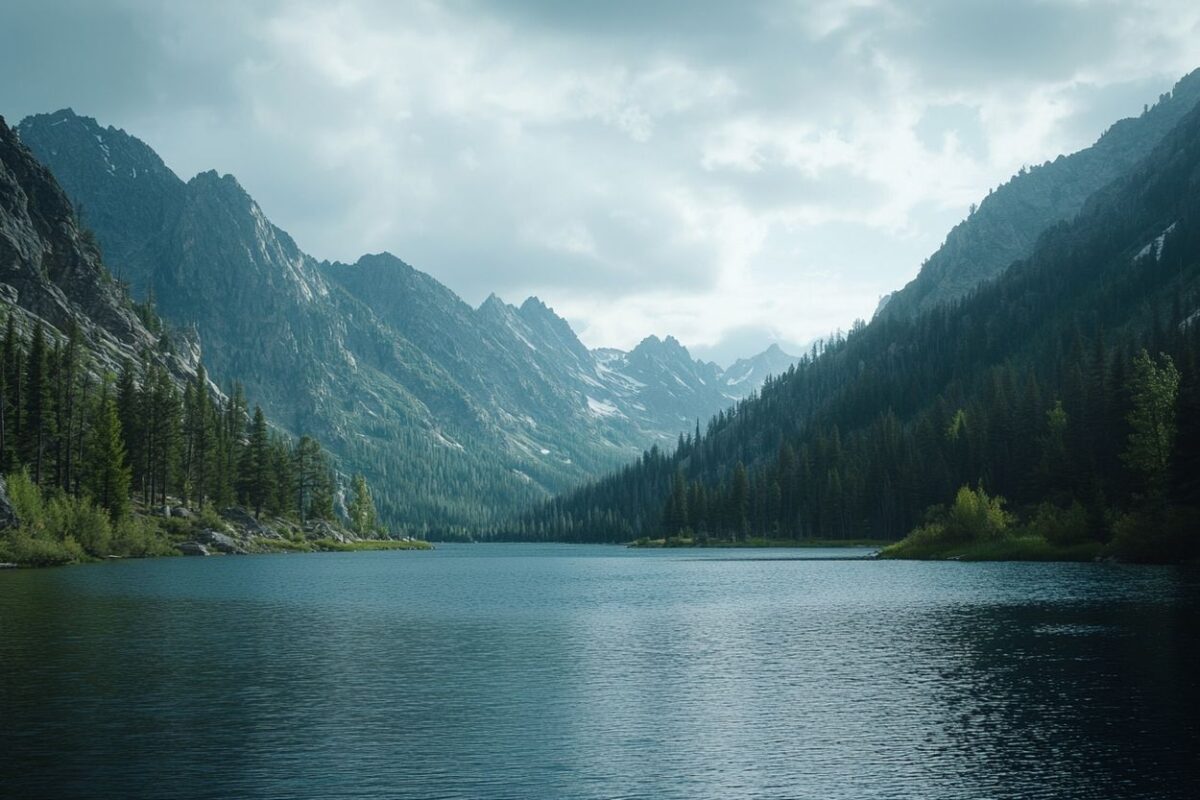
{"type": "Point", "coordinates": [322, 529]}
{"type": "Point", "coordinates": [221, 542]}
{"type": "Point", "coordinates": [243, 520]}
{"type": "Point", "coordinates": [181, 512]}
{"type": "Point", "coordinates": [192, 549]}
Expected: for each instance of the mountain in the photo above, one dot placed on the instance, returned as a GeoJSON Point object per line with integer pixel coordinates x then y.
{"type": "Point", "coordinates": [748, 374]}
{"type": "Point", "coordinates": [1024, 386]}
{"type": "Point", "coordinates": [456, 414]}
{"type": "Point", "coordinates": [1007, 223]}
{"type": "Point", "coordinates": [50, 270]}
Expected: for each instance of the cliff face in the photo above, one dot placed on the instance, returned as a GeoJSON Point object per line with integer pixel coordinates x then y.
{"type": "Point", "coordinates": [50, 268]}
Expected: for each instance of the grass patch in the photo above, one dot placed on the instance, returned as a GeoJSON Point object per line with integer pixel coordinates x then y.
{"type": "Point", "coordinates": [1008, 548]}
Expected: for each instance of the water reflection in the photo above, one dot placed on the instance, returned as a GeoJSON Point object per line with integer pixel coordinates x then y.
{"type": "Point", "coordinates": [595, 672]}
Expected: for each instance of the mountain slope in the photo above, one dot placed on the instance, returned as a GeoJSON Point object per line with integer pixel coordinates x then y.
{"type": "Point", "coordinates": [456, 414]}
{"type": "Point", "coordinates": [748, 374]}
{"type": "Point", "coordinates": [1007, 223]}
{"type": "Point", "coordinates": [50, 269]}
{"type": "Point", "coordinates": [1022, 386]}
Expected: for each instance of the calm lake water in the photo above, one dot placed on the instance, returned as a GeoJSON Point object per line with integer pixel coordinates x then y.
{"type": "Point", "coordinates": [520, 671]}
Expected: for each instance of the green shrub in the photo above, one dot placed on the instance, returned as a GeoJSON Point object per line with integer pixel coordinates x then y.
{"type": "Point", "coordinates": [140, 538]}
{"type": "Point", "coordinates": [27, 501]}
{"type": "Point", "coordinates": [80, 519]}
{"type": "Point", "coordinates": [1061, 526]}
{"type": "Point", "coordinates": [976, 517]}
{"type": "Point", "coordinates": [20, 547]}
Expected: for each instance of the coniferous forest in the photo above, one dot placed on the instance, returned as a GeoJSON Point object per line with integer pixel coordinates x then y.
{"type": "Point", "coordinates": [84, 453]}
{"type": "Point", "coordinates": [1068, 387]}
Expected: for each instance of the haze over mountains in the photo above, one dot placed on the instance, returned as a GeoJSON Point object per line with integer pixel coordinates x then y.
{"type": "Point", "coordinates": [461, 416]}
{"type": "Point", "coordinates": [457, 414]}
{"type": "Point", "coordinates": [1019, 380]}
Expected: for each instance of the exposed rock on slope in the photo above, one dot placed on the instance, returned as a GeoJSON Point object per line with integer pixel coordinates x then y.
{"type": "Point", "coordinates": [454, 413]}
{"type": "Point", "coordinates": [1009, 221]}
{"type": "Point", "coordinates": [50, 267]}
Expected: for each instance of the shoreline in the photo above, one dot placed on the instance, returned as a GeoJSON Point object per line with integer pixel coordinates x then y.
{"type": "Point", "coordinates": [759, 543]}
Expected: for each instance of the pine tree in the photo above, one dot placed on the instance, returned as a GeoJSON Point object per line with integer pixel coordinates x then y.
{"type": "Point", "coordinates": [739, 498]}
{"type": "Point", "coordinates": [1154, 389]}
{"type": "Point", "coordinates": [255, 469]}
{"type": "Point", "coordinates": [363, 518]}
{"type": "Point", "coordinates": [38, 424]}
{"type": "Point", "coordinates": [107, 471]}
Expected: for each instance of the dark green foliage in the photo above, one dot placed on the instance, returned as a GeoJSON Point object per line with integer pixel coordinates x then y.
{"type": "Point", "coordinates": [364, 520]}
{"type": "Point", "coordinates": [107, 481]}
{"type": "Point", "coordinates": [38, 411]}
{"type": "Point", "coordinates": [104, 442]}
{"type": "Point", "coordinates": [1025, 387]}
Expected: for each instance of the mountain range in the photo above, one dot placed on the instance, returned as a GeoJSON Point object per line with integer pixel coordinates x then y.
{"type": "Point", "coordinates": [1028, 379]}
{"type": "Point", "coordinates": [458, 415]}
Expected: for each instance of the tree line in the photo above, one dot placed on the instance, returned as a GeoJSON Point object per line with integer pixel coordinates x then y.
{"type": "Point", "coordinates": [1035, 387]}
{"type": "Point", "coordinates": [137, 436]}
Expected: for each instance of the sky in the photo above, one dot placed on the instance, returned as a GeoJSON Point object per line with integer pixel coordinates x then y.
{"type": "Point", "coordinates": [734, 174]}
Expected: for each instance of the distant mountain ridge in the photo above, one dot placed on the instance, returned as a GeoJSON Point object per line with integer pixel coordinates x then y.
{"type": "Point", "coordinates": [455, 413]}
{"type": "Point", "coordinates": [1008, 222]}
{"type": "Point", "coordinates": [1030, 386]}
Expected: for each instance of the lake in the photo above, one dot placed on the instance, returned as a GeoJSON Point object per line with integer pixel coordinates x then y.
{"type": "Point", "coordinates": [525, 671]}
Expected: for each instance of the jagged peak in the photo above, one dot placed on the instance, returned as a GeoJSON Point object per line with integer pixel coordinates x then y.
{"type": "Point", "coordinates": [60, 116]}
{"type": "Point", "coordinates": [132, 150]}
{"type": "Point", "coordinates": [494, 302]}
{"type": "Point", "coordinates": [533, 303]}
{"type": "Point", "coordinates": [211, 176]}
{"type": "Point", "coordinates": [383, 259]}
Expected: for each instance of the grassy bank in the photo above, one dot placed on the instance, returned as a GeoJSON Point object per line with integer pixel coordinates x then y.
{"type": "Point", "coordinates": [1013, 548]}
{"type": "Point", "coordinates": [43, 528]}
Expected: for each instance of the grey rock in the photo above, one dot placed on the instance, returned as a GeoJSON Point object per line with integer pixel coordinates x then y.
{"type": "Point", "coordinates": [243, 520]}
{"type": "Point", "coordinates": [322, 529]}
{"type": "Point", "coordinates": [192, 549]}
{"type": "Point", "coordinates": [220, 542]}
{"type": "Point", "coordinates": [181, 512]}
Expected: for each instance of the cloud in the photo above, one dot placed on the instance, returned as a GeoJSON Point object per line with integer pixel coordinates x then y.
{"type": "Point", "coordinates": [711, 170]}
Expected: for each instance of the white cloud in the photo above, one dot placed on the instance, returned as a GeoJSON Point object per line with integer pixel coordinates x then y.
{"type": "Point", "coordinates": [774, 168]}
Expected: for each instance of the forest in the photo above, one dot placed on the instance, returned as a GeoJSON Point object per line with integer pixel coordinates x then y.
{"type": "Point", "coordinates": [88, 457]}
{"type": "Point", "coordinates": [1034, 389]}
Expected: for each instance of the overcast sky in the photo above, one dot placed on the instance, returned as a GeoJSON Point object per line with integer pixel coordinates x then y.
{"type": "Point", "coordinates": [731, 173]}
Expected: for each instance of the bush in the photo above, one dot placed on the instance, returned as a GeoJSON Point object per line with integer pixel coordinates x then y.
{"type": "Point", "coordinates": [976, 517]}
{"type": "Point", "coordinates": [19, 547]}
{"type": "Point", "coordinates": [27, 501]}
{"type": "Point", "coordinates": [140, 538]}
{"type": "Point", "coordinates": [973, 518]}
{"type": "Point", "coordinates": [1061, 526]}
{"type": "Point", "coordinates": [80, 519]}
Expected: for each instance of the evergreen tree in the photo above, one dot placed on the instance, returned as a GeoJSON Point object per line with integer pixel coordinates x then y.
{"type": "Point", "coordinates": [1154, 389]}
{"type": "Point", "coordinates": [38, 424]}
{"type": "Point", "coordinates": [107, 471]}
{"type": "Point", "coordinates": [256, 466]}
{"type": "Point", "coordinates": [363, 518]}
